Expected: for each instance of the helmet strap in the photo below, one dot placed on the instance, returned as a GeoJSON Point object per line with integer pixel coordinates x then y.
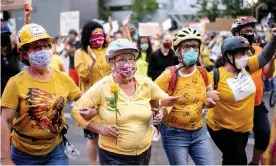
{"type": "Point", "coordinates": [232, 63]}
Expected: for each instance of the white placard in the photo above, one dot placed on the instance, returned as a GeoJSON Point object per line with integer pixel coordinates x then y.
{"type": "Point", "coordinates": [12, 25]}
{"type": "Point", "coordinates": [242, 85]}
{"type": "Point", "coordinates": [149, 29]}
{"type": "Point", "coordinates": [115, 25]}
{"type": "Point", "coordinates": [14, 4]}
{"type": "Point", "coordinates": [69, 21]}
{"type": "Point", "coordinates": [167, 24]}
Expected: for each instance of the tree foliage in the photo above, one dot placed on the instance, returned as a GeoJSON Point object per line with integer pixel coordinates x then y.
{"type": "Point", "coordinates": [211, 12]}
{"type": "Point", "coordinates": [103, 11]}
{"type": "Point", "coordinates": [235, 8]}
{"type": "Point", "coordinates": [141, 7]}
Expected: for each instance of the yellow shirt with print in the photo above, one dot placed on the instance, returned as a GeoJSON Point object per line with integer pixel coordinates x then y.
{"type": "Point", "coordinates": [82, 62]}
{"type": "Point", "coordinates": [40, 107]}
{"type": "Point", "coordinates": [56, 62]}
{"type": "Point", "coordinates": [135, 131]}
{"type": "Point", "coordinates": [187, 111]}
{"type": "Point", "coordinates": [228, 113]}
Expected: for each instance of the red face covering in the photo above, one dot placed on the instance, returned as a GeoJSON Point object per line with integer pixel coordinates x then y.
{"type": "Point", "coordinates": [167, 45]}
{"type": "Point", "coordinates": [96, 40]}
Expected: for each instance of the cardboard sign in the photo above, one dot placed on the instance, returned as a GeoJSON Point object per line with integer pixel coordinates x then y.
{"type": "Point", "coordinates": [115, 25]}
{"type": "Point", "coordinates": [149, 29]}
{"type": "Point", "coordinates": [14, 4]}
{"type": "Point", "coordinates": [69, 21]}
{"type": "Point", "coordinates": [242, 85]}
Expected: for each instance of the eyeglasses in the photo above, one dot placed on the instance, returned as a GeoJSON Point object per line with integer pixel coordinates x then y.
{"type": "Point", "coordinates": [185, 47]}
{"type": "Point", "coordinates": [125, 61]}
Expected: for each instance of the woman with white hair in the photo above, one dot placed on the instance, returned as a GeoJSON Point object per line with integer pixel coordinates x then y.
{"type": "Point", "coordinates": [122, 100]}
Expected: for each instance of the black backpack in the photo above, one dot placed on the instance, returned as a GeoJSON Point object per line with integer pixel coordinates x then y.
{"type": "Point", "coordinates": [216, 77]}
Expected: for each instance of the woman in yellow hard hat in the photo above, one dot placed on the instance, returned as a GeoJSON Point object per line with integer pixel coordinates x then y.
{"type": "Point", "coordinates": [33, 105]}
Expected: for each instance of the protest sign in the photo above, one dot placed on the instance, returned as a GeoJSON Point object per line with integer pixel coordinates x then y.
{"type": "Point", "coordinates": [68, 21]}
{"type": "Point", "coordinates": [149, 29]}
{"type": "Point", "coordinates": [14, 4]}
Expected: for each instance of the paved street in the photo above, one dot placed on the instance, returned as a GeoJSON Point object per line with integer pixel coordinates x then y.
{"type": "Point", "coordinates": [75, 135]}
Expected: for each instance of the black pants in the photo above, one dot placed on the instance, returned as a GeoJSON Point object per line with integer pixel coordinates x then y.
{"type": "Point", "coordinates": [109, 158]}
{"type": "Point", "coordinates": [232, 145]}
{"type": "Point", "coordinates": [261, 127]}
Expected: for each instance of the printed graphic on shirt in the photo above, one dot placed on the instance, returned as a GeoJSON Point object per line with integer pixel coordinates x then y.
{"type": "Point", "coordinates": [45, 110]}
{"type": "Point", "coordinates": [242, 85]}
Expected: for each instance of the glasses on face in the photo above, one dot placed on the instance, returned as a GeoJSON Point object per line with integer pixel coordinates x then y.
{"type": "Point", "coordinates": [186, 47]}
{"type": "Point", "coordinates": [125, 60]}
{"type": "Point", "coordinates": [39, 47]}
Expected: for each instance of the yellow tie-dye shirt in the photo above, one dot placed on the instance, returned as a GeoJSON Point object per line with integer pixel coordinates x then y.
{"type": "Point", "coordinates": [187, 111]}
{"type": "Point", "coordinates": [40, 107]}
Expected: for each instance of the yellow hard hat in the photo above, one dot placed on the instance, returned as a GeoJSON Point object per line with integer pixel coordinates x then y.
{"type": "Point", "coordinates": [30, 33]}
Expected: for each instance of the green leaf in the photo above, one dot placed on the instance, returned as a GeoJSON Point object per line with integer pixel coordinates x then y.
{"type": "Point", "coordinates": [108, 98]}
{"type": "Point", "coordinates": [117, 110]}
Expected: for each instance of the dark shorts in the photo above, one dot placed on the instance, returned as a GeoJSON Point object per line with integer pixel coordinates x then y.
{"type": "Point", "coordinates": [90, 134]}
{"type": "Point", "coordinates": [109, 158]}
{"type": "Point", "coordinates": [261, 127]}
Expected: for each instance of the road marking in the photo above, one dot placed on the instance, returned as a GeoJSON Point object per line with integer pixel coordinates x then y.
{"type": "Point", "coordinates": [67, 115]}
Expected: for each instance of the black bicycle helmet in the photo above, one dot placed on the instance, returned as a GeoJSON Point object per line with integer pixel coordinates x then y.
{"type": "Point", "coordinates": [232, 44]}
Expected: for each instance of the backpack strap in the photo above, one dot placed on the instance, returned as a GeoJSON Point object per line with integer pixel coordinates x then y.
{"type": "Point", "coordinates": [204, 74]}
{"type": "Point", "coordinates": [173, 80]}
{"type": "Point", "coordinates": [216, 77]}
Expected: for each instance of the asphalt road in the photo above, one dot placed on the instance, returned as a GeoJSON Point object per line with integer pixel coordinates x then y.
{"type": "Point", "coordinates": [75, 136]}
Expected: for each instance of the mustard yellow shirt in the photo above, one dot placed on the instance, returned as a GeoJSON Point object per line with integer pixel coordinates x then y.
{"type": "Point", "coordinates": [187, 111]}
{"type": "Point", "coordinates": [56, 62]}
{"type": "Point", "coordinates": [135, 131]}
{"type": "Point", "coordinates": [40, 109]}
{"type": "Point", "coordinates": [230, 112]}
{"type": "Point", "coordinates": [82, 62]}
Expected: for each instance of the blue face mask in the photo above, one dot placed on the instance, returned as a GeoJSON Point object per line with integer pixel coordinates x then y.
{"type": "Point", "coordinates": [190, 57]}
{"type": "Point", "coordinates": [144, 46]}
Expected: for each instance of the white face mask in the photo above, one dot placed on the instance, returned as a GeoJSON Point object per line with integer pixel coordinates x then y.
{"type": "Point", "coordinates": [242, 62]}
{"type": "Point", "coordinates": [40, 59]}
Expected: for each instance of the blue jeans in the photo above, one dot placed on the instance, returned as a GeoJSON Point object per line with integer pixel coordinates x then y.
{"type": "Point", "coordinates": [55, 157]}
{"type": "Point", "coordinates": [178, 143]}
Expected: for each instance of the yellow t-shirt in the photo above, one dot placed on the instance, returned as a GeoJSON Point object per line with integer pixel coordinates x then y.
{"type": "Point", "coordinates": [187, 111]}
{"type": "Point", "coordinates": [40, 110]}
{"type": "Point", "coordinates": [234, 112]}
{"type": "Point", "coordinates": [56, 62]}
{"type": "Point", "coordinates": [135, 131]}
{"type": "Point", "coordinates": [142, 65]}
{"type": "Point", "coordinates": [87, 77]}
